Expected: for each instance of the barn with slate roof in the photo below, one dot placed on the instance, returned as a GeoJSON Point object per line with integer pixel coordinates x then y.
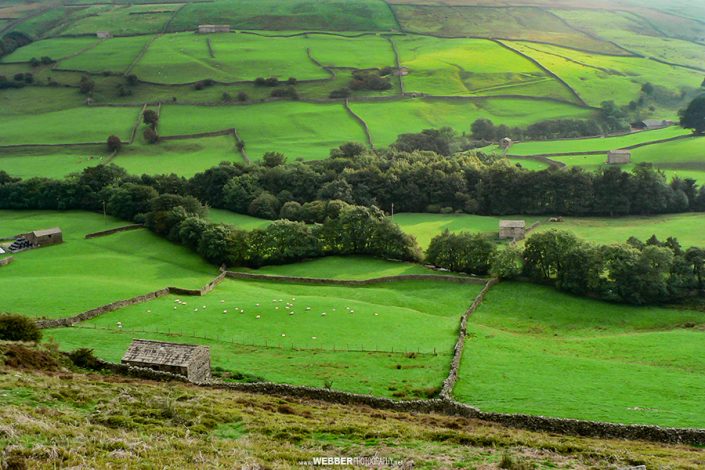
{"type": "Point", "coordinates": [190, 360]}
{"type": "Point", "coordinates": [512, 229]}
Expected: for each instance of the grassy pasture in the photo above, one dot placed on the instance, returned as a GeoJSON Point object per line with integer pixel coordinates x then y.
{"type": "Point", "coordinates": [124, 20]}
{"type": "Point", "coordinates": [341, 267]}
{"type": "Point", "coordinates": [56, 48]}
{"type": "Point", "coordinates": [241, 221]}
{"type": "Point", "coordinates": [597, 144]}
{"type": "Point", "coordinates": [37, 100]}
{"type": "Point", "coordinates": [111, 55]}
{"type": "Point", "coordinates": [532, 349]}
{"type": "Point", "coordinates": [297, 129]}
{"type": "Point", "coordinates": [363, 52]}
{"type": "Point", "coordinates": [414, 115]}
{"type": "Point", "coordinates": [77, 125]}
{"type": "Point", "coordinates": [470, 66]}
{"type": "Point", "coordinates": [687, 228]}
{"type": "Point", "coordinates": [50, 163]}
{"type": "Point", "coordinates": [426, 226]}
{"type": "Point", "coordinates": [81, 274]}
{"type": "Point", "coordinates": [597, 78]}
{"type": "Point", "coordinates": [184, 58]}
{"type": "Point", "coordinates": [517, 23]}
{"type": "Point", "coordinates": [684, 158]}
{"type": "Point", "coordinates": [411, 316]}
{"type": "Point", "coordinates": [181, 157]}
{"type": "Point", "coordinates": [308, 15]}
{"type": "Point", "coordinates": [36, 26]}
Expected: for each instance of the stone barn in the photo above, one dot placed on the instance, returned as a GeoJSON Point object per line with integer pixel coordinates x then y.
{"type": "Point", "coordinates": [104, 34]}
{"type": "Point", "coordinates": [512, 229]}
{"type": "Point", "coordinates": [619, 157]}
{"type": "Point", "coordinates": [189, 360]}
{"type": "Point", "coordinates": [51, 236]}
{"type": "Point", "coordinates": [213, 28]}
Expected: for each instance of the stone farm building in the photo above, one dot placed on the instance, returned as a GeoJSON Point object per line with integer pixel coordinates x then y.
{"type": "Point", "coordinates": [651, 124]}
{"type": "Point", "coordinates": [213, 28]}
{"type": "Point", "coordinates": [104, 34]}
{"type": "Point", "coordinates": [618, 157]}
{"type": "Point", "coordinates": [51, 236]}
{"type": "Point", "coordinates": [189, 360]}
{"type": "Point", "coordinates": [512, 229]}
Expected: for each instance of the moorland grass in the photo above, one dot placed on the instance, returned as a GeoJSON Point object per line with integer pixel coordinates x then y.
{"type": "Point", "coordinates": [124, 20]}
{"type": "Point", "coordinates": [184, 58]}
{"type": "Point", "coordinates": [70, 126]}
{"type": "Point", "coordinates": [530, 23]}
{"type": "Point", "coordinates": [81, 274]}
{"type": "Point", "coordinates": [297, 129]}
{"type": "Point", "coordinates": [307, 15]}
{"type": "Point", "coordinates": [470, 66]}
{"type": "Point", "coordinates": [111, 55]}
{"type": "Point", "coordinates": [55, 48]}
{"type": "Point", "coordinates": [414, 115]}
{"type": "Point", "coordinates": [532, 349]}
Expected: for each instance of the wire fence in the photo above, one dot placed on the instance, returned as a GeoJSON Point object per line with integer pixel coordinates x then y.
{"type": "Point", "coordinates": [351, 348]}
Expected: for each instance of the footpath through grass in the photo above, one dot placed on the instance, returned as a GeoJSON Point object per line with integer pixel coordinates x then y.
{"type": "Point", "coordinates": [534, 350]}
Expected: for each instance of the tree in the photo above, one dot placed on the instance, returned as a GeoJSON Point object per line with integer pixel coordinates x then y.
{"type": "Point", "coordinates": [344, 92]}
{"type": "Point", "coordinates": [695, 257]}
{"type": "Point", "coordinates": [349, 150]}
{"type": "Point", "coordinates": [265, 205]}
{"type": "Point", "coordinates": [544, 251]}
{"type": "Point", "coordinates": [461, 252]}
{"type": "Point", "coordinates": [484, 129]}
{"type": "Point", "coordinates": [150, 118]}
{"type": "Point", "coordinates": [507, 263]}
{"type": "Point", "coordinates": [242, 97]}
{"type": "Point", "coordinates": [114, 143]}
{"type": "Point", "coordinates": [86, 85]}
{"type": "Point", "coordinates": [693, 117]}
{"type": "Point", "coordinates": [434, 140]}
{"type": "Point", "coordinates": [18, 328]}
{"type": "Point", "coordinates": [150, 136]}
{"type": "Point", "coordinates": [273, 159]}
{"type": "Point", "coordinates": [130, 199]}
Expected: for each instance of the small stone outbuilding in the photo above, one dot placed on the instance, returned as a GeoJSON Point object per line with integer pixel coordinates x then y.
{"type": "Point", "coordinates": [104, 34]}
{"type": "Point", "coordinates": [213, 28]}
{"type": "Point", "coordinates": [51, 236]}
{"type": "Point", "coordinates": [512, 229]}
{"type": "Point", "coordinates": [619, 157]}
{"type": "Point", "coordinates": [189, 360]}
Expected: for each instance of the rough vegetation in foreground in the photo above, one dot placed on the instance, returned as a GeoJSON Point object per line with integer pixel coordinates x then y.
{"type": "Point", "coordinates": [65, 418]}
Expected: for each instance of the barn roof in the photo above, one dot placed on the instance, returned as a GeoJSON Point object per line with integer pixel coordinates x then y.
{"type": "Point", "coordinates": [49, 231]}
{"type": "Point", "coordinates": [621, 151]}
{"type": "Point", "coordinates": [655, 122]}
{"type": "Point", "coordinates": [159, 352]}
{"type": "Point", "coordinates": [512, 223]}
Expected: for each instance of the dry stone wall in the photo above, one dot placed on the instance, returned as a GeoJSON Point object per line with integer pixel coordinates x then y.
{"type": "Point", "coordinates": [352, 283]}
{"type": "Point", "coordinates": [105, 233]}
{"type": "Point", "coordinates": [6, 261]}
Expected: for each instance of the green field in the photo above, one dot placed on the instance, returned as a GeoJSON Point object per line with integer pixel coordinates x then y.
{"type": "Point", "coordinates": [77, 125]}
{"type": "Point", "coordinates": [337, 51]}
{"type": "Point", "coordinates": [414, 115]}
{"type": "Point", "coordinates": [81, 274]}
{"type": "Point", "coordinates": [595, 144]}
{"type": "Point", "coordinates": [111, 55]}
{"type": "Point", "coordinates": [50, 162]}
{"type": "Point", "coordinates": [308, 15]}
{"type": "Point", "coordinates": [411, 317]}
{"type": "Point", "coordinates": [37, 26]}
{"type": "Point", "coordinates": [185, 58]}
{"type": "Point", "coordinates": [471, 66]}
{"type": "Point", "coordinates": [125, 19]}
{"type": "Point", "coordinates": [56, 48]}
{"type": "Point", "coordinates": [339, 267]}
{"type": "Point", "coordinates": [426, 226]}
{"type": "Point", "coordinates": [534, 350]}
{"type": "Point", "coordinates": [685, 227]}
{"type": "Point", "coordinates": [597, 78]}
{"type": "Point", "coordinates": [296, 129]}
{"type": "Point", "coordinates": [240, 221]}
{"type": "Point", "coordinates": [182, 157]}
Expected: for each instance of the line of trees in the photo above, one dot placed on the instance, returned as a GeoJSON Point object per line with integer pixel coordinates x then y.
{"type": "Point", "coordinates": [344, 229]}
{"type": "Point", "coordinates": [635, 272]}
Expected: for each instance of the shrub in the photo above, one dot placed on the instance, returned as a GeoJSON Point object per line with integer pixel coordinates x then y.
{"type": "Point", "coordinates": [84, 358]}
{"type": "Point", "coordinates": [344, 92]}
{"type": "Point", "coordinates": [151, 136]}
{"type": "Point", "coordinates": [18, 328]}
{"type": "Point", "coordinates": [242, 97]}
{"type": "Point", "coordinates": [86, 85]}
